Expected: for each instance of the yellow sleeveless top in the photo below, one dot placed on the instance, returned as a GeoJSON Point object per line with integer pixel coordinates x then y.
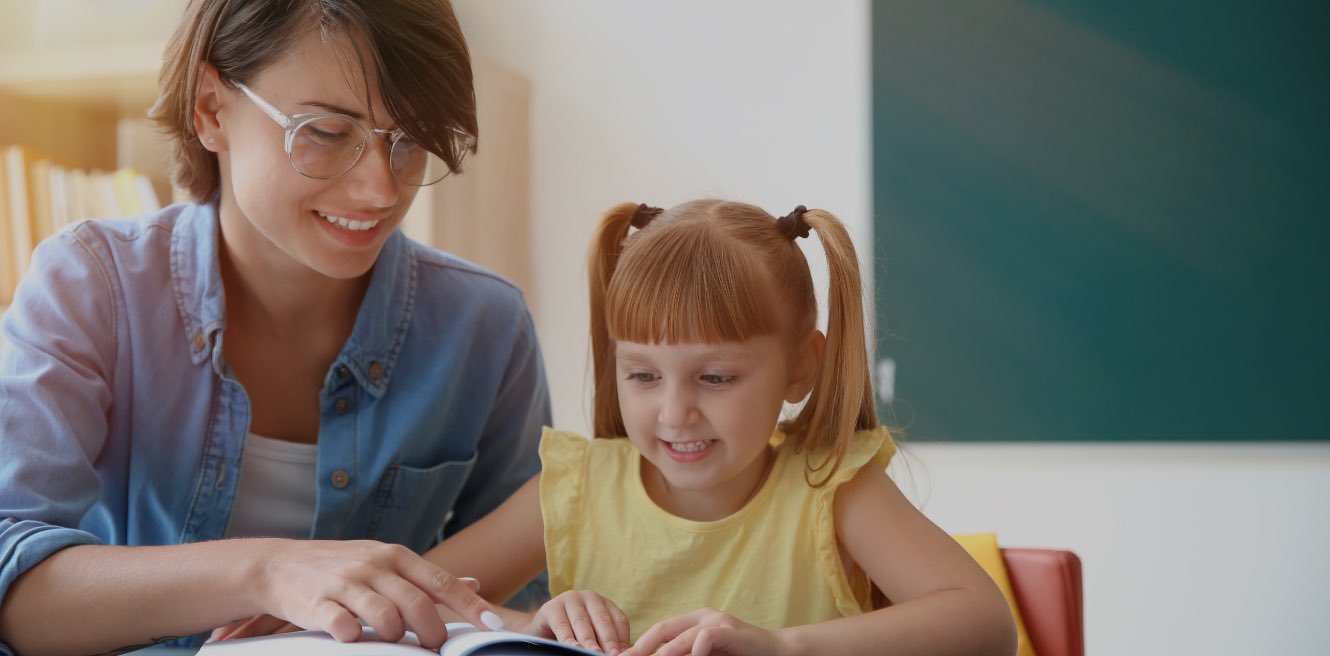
{"type": "Point", "coordinates": [774, 563]}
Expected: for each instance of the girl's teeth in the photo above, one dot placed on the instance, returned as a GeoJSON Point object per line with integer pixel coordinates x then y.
{"type": "Point", "coordinates": [689, 447]}
{"type": "Point", "coordinates": [349, 224]}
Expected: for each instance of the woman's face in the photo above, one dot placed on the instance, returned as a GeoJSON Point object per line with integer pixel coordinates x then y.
{"type": "Point", "coordinates": [284, 222]}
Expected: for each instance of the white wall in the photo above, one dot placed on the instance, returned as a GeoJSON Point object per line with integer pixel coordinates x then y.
{"type": "Point", "coordinates": [1188, 549]}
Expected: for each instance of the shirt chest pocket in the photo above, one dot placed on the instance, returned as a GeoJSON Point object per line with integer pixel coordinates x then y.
{"type": "Point", "coordinates": [414, 503]}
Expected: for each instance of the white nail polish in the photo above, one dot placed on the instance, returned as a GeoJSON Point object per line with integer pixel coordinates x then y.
{"type": "Point", "coordinates": [491, 621]}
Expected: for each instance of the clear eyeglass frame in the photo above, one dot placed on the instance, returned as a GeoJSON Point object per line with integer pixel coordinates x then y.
{"type": "Point", "coordinates": [435, 169]}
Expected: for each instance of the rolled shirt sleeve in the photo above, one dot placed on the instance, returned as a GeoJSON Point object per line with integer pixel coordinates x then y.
{"type": "Point", "coordinates": [59, 350]}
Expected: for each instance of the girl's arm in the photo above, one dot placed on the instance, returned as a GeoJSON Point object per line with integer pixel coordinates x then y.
{"type": "Point", "coordinates": [942, 602]}
{"type": "Point", "coordinates": [504, 550]}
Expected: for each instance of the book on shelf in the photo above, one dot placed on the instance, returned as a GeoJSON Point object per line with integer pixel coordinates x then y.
{"type": "Point", "coordinates": [8, 272]}
{"type": "Point", "coordinates": [463, 640]}
{"type": "Point", "coordinates": [21, 241]}
{"type": "Point", "coordinates": [39, 197]}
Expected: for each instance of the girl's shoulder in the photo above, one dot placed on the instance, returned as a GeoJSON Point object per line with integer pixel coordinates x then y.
{"type": "Point", "coordinates": [866, 447]}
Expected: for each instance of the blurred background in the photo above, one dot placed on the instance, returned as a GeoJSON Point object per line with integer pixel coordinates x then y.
{"type": "Point", "coordinates": [1097, 233]}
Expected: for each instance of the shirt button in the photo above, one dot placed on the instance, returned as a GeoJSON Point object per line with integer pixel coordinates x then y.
{"type": "Point", "coordinates": [343, 372]}
{"type": "Point", "coordinates": [342, 405]}
{"type": "Point", "coordinates": [340, 479]}
{"type": "Point", "coordinates": [198, 341]}
{"type": "Point", "coordinates": [375, 370]}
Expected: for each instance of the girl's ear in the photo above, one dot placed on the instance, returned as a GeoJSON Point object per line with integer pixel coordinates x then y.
{"type": "Point", "coordinates": [807, 362]}
{"type": "Point", "coordinates": [207, 106]}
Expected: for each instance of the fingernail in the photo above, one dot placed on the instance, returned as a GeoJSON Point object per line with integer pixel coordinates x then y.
{"type": "Point", "coordinates": [491, 621]}
{"type": "Point", "coordinates": [468, 579]}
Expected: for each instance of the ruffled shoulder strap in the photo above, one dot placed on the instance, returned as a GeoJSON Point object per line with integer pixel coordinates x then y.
{"type": "Point", "coordinates": [563, 454]}
{"type": "Point", "coordinates": [852, 593]}
{"type": "Point", "coordinates": [563, 459]}
{"type": "Point", "coordinates": [873, 446]}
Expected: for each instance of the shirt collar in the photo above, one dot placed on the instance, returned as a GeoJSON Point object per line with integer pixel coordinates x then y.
{"type": "Point", "coordinates": [381, 323]}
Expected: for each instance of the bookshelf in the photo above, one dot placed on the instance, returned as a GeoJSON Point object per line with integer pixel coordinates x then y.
{"type": "Point", "coordinates": [77, 76]}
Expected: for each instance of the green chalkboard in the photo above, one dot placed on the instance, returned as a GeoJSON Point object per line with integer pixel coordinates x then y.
{"type": "Point", "coordinates": [1103, 221]}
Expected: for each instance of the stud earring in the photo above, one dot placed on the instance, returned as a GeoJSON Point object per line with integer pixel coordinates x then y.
{"type": "Point", "coordinates": [211, 141]}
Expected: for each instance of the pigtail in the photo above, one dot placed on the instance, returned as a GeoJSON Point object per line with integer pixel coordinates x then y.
{"type": "Point", "coordinates": [601, 262]}
{"type": "Point", "coordinates": [841, 401]}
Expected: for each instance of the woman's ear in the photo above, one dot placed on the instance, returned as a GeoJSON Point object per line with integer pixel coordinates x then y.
{"type": "Point", "coordinates": [805, 366]}
{"type": "Point", "coordinates": [207, 108]}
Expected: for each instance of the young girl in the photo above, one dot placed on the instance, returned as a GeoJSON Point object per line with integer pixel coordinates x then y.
{"type": "Point", "coordinates": [273, 358]}
{"type": "Point", "coordinates": [703, 325]}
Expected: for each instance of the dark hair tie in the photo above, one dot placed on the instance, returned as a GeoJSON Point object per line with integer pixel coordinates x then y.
{"type": "Point", "coordinates": [644, 214]}
{"type": "Point", "coordinates": [792, 225]}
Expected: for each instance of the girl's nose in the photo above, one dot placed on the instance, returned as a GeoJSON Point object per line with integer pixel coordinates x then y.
{"type": "Point", "coordinates": [678, 409]}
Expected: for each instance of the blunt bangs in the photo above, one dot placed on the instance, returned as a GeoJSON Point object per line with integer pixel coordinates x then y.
{"type": "Point", "coordinates": [685, 283]}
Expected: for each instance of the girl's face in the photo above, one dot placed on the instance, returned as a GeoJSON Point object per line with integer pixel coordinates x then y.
{"type": "Point", "coordinates": [272, 215]}
{"type": "Point", "coordinates": [702, 416]}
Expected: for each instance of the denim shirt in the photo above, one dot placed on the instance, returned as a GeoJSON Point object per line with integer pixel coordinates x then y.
{"type": "Point", "coordinates": [120, 422]}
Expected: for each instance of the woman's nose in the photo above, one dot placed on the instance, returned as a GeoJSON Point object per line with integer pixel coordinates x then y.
{"type": "Point", "coordinates": [371, 180]}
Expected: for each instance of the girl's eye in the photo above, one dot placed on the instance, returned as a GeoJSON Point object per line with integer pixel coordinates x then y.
{"type": "Point", "coordinates": [642, 377]}
{"type": "Point", "coordinates": [717, 379]}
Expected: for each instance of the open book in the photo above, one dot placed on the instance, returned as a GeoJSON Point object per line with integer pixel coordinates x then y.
{"type": "Point", "coordinates": [463, 640]}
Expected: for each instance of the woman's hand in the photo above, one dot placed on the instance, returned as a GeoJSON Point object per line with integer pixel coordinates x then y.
{"type": "Point", "coordinates": [705, 632]}
{"type": "Point", "coordinates": [334, 585]}
{"type": "Point", "coordinates": [584, 619]}
{"type": "Point", "coordinates": [262, 625]}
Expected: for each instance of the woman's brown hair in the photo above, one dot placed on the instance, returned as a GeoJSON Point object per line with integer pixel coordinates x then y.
{"type": "Point", "coordinates": [416, 47]}
{"type": "Point", "coordinates": [714, 271]}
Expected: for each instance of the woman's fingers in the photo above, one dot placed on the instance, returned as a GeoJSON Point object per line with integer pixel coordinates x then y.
{"type": "Point", "coordinates": [414, 611]}
{"type": "Point", "coordinates": [337, 621]}
{"type": "Point", "coordinates": [451, 591]}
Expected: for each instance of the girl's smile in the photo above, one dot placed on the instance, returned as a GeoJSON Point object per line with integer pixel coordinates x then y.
{"type": "Point", "coordinates": [691, 451]}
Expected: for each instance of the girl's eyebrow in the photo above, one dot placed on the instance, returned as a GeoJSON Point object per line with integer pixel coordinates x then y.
{"type": "Point", "coordinates": [728, 354]}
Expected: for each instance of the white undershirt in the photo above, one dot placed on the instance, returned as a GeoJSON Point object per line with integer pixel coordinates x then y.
{"type": "Point", "coordinates": [277, 490]}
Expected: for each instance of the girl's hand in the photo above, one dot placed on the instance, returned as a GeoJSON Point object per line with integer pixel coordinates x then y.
{"type": "Point", "coordinates": [584, 619]}
{"type": "Point", "coordinates": [334, 585]}
{"type": "Point", "coordinates": [705, 632]}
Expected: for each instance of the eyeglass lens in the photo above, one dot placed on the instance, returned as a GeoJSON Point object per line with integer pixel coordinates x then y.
{"type": "Point", "coordinates": [329, 146]}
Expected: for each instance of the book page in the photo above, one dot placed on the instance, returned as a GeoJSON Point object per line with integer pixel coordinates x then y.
{"type": "Point", "coordinates": [467, 640]}
{"type": "Point", "coordinates": [314, 643]}
{"type": "Point", "coordinates": [463, 640]}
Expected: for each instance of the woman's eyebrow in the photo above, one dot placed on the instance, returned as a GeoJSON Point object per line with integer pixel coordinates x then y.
{"type": "Point", "coordinates": [334, 109]}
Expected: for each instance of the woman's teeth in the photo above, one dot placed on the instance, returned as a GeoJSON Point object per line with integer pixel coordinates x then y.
{"type": "Point", "coordinates": [348, 223]}
{"type": "Point", "coordinates": [689, 447]}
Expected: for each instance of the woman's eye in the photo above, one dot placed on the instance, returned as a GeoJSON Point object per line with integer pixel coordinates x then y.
{"type": "Point", "coordinates": [717, 379]}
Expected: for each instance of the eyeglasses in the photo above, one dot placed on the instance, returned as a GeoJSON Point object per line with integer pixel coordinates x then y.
{"type": "Point", "coordinates": [325, 146]}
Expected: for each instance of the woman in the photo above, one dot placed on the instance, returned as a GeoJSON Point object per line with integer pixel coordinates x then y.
{"type": "Point", "coordinates": [272, 359]}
